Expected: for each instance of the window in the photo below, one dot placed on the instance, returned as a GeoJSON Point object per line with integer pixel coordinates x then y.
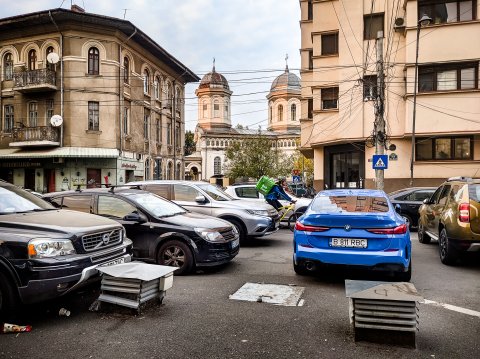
{"type": "Point", "coordinates": [216, 109]}
{"type": "Point", "coordinates": [310, 108]}
{"type": "Point", "coordinates": [32, 60]}
{"type": "Point", "coordinates": [349, 204]}
{"type": "Point", "coordinates": [7, 66]}
{"type": "Point", "coordinates": [217, 166]}
{"type": "Point", "coordinates": [445, 11]}
{"type": "Point", "coordinates": [444, 148]}
{"type": "Point", "coordinates": [157, 87]}
{"type": "Point", "coordinates": [185, 193]}
{"type": "Point", "coordinates": [114, 207]}
{"type": "Point", "coordinates": [9, 119]}
{"type": "Point", "coordinates": [93, 116]}
{"type": "Point", "coordinates": [126, 70]}
{"type": "Point", "coordinates": [247, 192]}
{"type": "Point", "coordinates": [372, 24]}
{"type": "Point", "coordinates": [126, 122]}
{"type": "Point", "coordinates": [169, 134]}
{"type": "Point", "coordinates": [280, 113]}
{"type": "Point", "coordinates": [370, 87]}
{"type": "Point", "coordinates": [32, 114]}
{"type": "Point", "coordinates": [157, 171]}
{"type": "Point", "coordinates": [226, 110]}
{"type": "Point", "coordinates": [442, 199]}
{"type": "Point", "coordinates": [293, 112]}
{"type": "Point", "coordinates": [158, 131]}
{"type": "Point", "coordinates": [418, 196]}
{"type": "Point", "coordinates": [330, 44]}
{"type": "Point", "coordinates": [310, 59]}
{"type": "Point", "coordinates": [146, 82]}
{"type": "Point", "coordinates": [48, 109]}
{"type": "Point", "coordinates": [310, 10]}
{"type": "Point", "coordinates": [178, 100]}
{"type": "Point", "coordinates": [78, 203]}
{"type": "Point", "coordinates": [330, 98]}
{"type": "Point", "coordinates": [93, 61]}
{"type": "Point", "coordinates": [460, 76]}
{"type": "Point", "coordinates": [162, 190]}
{"type": "Point", "coordinates": [204, 108]}
{"type": "Point", "coordinates": [177, 136]}
{"type": "Point", "coordinates": [146, 121]}
{"type": "Point", "coordinates": [49, 65]}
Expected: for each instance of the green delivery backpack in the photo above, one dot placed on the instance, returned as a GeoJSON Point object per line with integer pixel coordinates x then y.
{"type": "Point", "coordinates": [264, 185]}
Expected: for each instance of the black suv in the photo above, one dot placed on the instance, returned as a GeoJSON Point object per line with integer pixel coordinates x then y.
{"type": "Point", "coordinates": [46, 252]}
{"type": "Point", "coordinates": [162, 232]}
{"type": "Point", "coordinates": [410, 199]}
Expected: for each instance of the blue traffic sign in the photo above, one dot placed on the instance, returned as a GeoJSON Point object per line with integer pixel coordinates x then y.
{"type": "Point", "coordinates": [380, 162]}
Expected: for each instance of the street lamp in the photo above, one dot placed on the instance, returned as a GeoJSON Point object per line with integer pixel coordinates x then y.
{"type": "Point", "coordinates": [425, 20]}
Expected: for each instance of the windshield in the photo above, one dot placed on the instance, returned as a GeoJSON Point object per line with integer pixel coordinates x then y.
{"type": "Point", "coordinates": [155, 205]}
{"type": "Point", "coordinates": [15, 199]}
{"type": "Point", "coordinates": [349, 204]}
{"type": "Point", "coordinates": [215, 192]}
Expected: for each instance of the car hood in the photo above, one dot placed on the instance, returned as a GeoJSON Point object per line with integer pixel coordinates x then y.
{"type": "Point", "coordinates": [196, 220]}
{"type": "Point", "coordinates": [354, 220]}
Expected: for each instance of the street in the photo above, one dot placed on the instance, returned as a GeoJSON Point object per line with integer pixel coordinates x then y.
{"type": "Point", "coordinates": [198, 320]}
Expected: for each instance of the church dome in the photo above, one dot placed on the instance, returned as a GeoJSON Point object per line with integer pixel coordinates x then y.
{"type": "Point", "coordinates": [286, 82]}
{"type": "Point", "coordinates": [214, 79]}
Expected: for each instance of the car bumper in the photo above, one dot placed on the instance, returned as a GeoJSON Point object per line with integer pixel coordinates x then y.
{"type": "Point", "coordinates": [265, 226]}
{"type": "Point", "coordinates": [49, 278]}
{"type": "Point", "coordinates": [214, 254]}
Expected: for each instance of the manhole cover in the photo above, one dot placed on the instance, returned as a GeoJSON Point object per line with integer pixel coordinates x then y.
{"type": "Point", "coordinates": [270, 293]}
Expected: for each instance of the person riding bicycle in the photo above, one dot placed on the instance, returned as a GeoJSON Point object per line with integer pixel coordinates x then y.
{"type": "Point", "coordinates": [277, 192]}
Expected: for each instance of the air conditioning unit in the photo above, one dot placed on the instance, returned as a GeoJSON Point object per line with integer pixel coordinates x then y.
{"type": "Point", "coordinates": [399, 23]}
{"type": "Point", "coordinates": [58, 159]}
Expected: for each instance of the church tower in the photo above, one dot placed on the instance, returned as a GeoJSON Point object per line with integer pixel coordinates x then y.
{"type": "Point", "coordinates": [214, 101]}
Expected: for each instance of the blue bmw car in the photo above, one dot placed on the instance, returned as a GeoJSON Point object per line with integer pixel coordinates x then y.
{"type": "Point", "coordinates": [355, 228]}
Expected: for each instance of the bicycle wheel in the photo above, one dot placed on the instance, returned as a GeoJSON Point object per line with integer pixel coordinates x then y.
{"type": "Point", "coordinates": [292, 220]}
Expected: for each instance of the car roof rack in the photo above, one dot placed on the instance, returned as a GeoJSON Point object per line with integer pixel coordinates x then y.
{"type": "Point", "coordinates": [132, 186]}
{"type": "Point", "coordinates": [460, 178]}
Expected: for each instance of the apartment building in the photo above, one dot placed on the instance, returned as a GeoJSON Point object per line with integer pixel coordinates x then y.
{"type": "Point", "coordinates": [86, 100]}
{"type": "Point", "coordinates": [340, 98]}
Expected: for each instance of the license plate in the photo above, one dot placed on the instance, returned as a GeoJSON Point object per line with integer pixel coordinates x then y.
{"type": "Point", "coordinates": [235, 243]}
{"type": "Point", "coordinates": [348, 242]}
{"type": "Point", "coordinates": [111, 263]}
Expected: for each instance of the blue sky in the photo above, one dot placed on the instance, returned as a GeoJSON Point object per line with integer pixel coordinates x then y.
{"type": "Point", "coordinates": [248, 38]}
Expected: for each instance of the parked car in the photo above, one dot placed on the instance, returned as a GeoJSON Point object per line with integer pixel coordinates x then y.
{"type": "Point", "coordinates": [452, 216]}
{"type": "Point", "coordinates": [297, 188]}
{"type": "Point", "coordinates": [248, 191]}
{"type": "Point", "coordinates": [162, 232]}
{"type": "Point", "coordinates": [46, 252]}
{"type": "Point", "coordinates": [354, 228]}
{"type": "Point", "coordinates": [409, 200]}
{"type": "Point", "coordinates": [250, 220]}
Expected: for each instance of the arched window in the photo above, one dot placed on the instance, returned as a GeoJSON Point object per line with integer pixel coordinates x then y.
{"type": "Point", "coordinates": [169, 95]}
{"type": "Point", "coordinates": [126, 70]}
{"type": "Point", "coordinates": [49, 65]}
{"type": "Point", "coordinates": [226, 109]}
{"type": "Point", "coordinates": [32, 114]}
{"type": "Point", "coordinates": [221, 143]}
{"type": "Point", "coordinates": [217, 143]}
{"type": "Point", "coordinates": [169, 171]}
{"type": "Point", "coordinates": [216, 109]}
{"type": "Point", "coordinates": [32, 60]}
{"type": "Point", "coordinates": [280, 113]}
{"type": "Point", "coordinates": [93, 61]}
{"type": "Point", "coordinates": [204, 109]}
{"type": "Point", "coordinates": [146, 81]}
{"type": "Point", "coordinates": [157, 87]}
{"type": "Point", "coordinates": [7, 66]}
{"type": "Point", "coordinates": [217, 166]}
{"type": "Point", "coordinates": [293, 112]}
{"type": "Point", "coordinates": [147, 169]}
{"type": "Point", "coordinates": [208, 142]}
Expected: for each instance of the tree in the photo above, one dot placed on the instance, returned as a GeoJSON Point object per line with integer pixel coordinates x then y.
{"type": "Point", "coordinates": [189, 143]}
{"type": "Point", "coordinates": [254, 157]}
{"type": "Point", "coordinates": [303, 165]}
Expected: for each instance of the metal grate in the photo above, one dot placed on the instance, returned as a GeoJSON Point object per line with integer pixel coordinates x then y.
{"type": "Point", "coordinates": [95, 241]}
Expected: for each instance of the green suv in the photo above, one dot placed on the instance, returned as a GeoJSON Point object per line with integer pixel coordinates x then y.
{"type": "Point", "coordinates": [452, 216]}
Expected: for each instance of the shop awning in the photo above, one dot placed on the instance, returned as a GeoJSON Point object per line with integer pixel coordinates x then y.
{"type": "Point", "coordinates": [66, 152]}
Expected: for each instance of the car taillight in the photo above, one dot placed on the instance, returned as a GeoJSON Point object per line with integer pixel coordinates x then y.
{"type": "Point", "coordinates": [401, 229]}
{"type": "Point", "coordinates": [464, 212]}
{"type": "Point", "coordinates": [301, 227]}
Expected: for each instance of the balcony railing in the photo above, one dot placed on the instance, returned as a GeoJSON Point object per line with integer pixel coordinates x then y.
{"type": "Point", "coordinates": [35, 136]}
{"type": "Point", "coordinates": [34, 80]}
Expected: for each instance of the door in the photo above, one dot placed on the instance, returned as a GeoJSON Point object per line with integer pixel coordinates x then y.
{"type": "Point", "coordinates": [94, 178]}
{"type": "Point", "coordinates": [345, 170]}
{"type": "Point", "coordinates": [437, 209]}
{"type": "Point", "coordinates": [49, 180]}
{"type": "Point", "coordinates": [185, 196]}
{"type": "Point", "coordinates": [30, 178]}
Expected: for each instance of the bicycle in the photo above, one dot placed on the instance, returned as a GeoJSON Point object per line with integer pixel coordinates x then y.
{"type": "Point", "coordinates": [287, 213]}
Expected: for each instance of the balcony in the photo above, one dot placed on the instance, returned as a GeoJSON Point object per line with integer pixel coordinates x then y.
{"type": "Point", "coordinates": [35, 136]}
{"type": "Point", "coordinates": [34, 81]}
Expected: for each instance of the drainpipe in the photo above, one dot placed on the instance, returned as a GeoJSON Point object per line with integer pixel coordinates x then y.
{"type": "Point", "coordinates": [61, 78]}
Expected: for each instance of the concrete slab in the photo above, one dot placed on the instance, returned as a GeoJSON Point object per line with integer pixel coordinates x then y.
{"type": "Point", "coordinates": [277, 294]}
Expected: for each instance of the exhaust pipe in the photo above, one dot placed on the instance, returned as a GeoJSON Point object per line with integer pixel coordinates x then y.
{"type": "Point", "coordinates": [310, 266]}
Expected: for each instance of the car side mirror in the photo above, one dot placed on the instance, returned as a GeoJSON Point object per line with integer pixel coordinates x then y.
{"type": "Point", "coordinates": [426, 201]}
{"type": "Point", "coordinates": [398, 208]}
{"type": "Point", "coordinates": [134, 217]}
{"type": "Point", "coordinates": [200, 199]}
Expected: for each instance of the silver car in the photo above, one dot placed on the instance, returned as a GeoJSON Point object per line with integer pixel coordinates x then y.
{"type": "Point", "coordinates": [250, 219]}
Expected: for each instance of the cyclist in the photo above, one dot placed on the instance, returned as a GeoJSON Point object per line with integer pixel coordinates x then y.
{"type": "Point", "coordinates": [277, 192]}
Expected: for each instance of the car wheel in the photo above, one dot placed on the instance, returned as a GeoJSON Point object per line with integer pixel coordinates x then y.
{"type": "Point", "coordinates": [242, 235]}
{"type": "Point", "coordinates": [405, 276]}
{"type": "Point", "coordinates": [7, 298]}
{"type": "Point", "coordinates": [423, 237]}
{"type": "Point", "coordinates": [448, 254]}
{"type": "Point", "coordinates": [408, 221]}
{"type": "Point", "coordinates": [176, 254]}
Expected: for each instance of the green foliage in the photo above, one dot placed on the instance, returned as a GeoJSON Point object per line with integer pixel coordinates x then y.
{"type": "Point", "coordinates": [189, 143]}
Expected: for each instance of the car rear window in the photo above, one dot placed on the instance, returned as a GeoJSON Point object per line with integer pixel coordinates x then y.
{"type": "Point", "coordinates": [350, 204]}
{"type": "Point", "coordinates": [474, 192]}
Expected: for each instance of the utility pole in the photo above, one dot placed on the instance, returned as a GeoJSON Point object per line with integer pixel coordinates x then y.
{"type": "Point", "coordinates": [379, 111]}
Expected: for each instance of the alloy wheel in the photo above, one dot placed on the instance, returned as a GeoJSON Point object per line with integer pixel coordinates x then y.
{"type": "Point", "coordinates": [174, 256]}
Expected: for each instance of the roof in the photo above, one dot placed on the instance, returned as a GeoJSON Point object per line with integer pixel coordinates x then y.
{"type": "Point", "coordinates": [16, 26]}
{"type": "Point", "coordinates": [60, 152]}
{"type": "Point", "coordinates": [214, 79]}
{"type": "Point", "coordinates": [286, 82]}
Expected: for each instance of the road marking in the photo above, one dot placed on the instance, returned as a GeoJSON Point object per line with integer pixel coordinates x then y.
{"type": "Point", "coordinates": [473, 313]}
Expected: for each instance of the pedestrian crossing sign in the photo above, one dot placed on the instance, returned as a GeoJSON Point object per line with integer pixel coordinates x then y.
{"type": "Point", "coordinates": [380, 162]}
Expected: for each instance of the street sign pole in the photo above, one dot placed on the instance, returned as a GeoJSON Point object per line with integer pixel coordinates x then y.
{"type": "Point", "coordinates": [379, 120]}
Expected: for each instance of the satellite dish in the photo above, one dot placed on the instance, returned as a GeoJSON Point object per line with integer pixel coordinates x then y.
{"type": "Point", "coordinates": [53, 57]}
{"type": "Point", "coordinates": [56, 120]}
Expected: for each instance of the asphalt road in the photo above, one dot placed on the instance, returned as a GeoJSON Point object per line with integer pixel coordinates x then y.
{"type": "Point", "coordinates": [198, 320]}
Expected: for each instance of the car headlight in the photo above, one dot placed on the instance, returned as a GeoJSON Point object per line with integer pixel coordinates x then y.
{"type": "Point", "coordinates": [258, 212]}
{"type": "Point", "coordinates": [210, 235]}
{"type": "Point", "coordinates": [47, 248]}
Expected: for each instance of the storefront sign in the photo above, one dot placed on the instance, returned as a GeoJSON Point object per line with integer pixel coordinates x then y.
{"type": "Point", "coordinates": [20, 164]}
{"type": "Point", "coordinates": [129, 166]}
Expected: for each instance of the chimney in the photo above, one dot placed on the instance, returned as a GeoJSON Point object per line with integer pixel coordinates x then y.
{"type": "Point", "coordinates": [76, 8]}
